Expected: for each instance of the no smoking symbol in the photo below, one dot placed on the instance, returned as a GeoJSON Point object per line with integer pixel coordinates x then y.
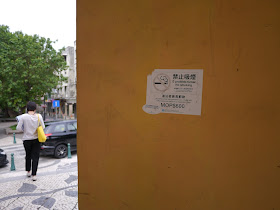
{"type": "Point", "coordinates": [161, 82]}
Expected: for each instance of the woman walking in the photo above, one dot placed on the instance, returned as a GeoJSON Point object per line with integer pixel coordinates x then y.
{"type": "Point", "coordinates": [28, 123]}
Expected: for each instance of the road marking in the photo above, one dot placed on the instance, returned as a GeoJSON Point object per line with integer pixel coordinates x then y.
{"type": "Point", "coordinates": [11, 146]}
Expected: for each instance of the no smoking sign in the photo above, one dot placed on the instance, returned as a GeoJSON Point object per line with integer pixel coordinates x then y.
{"type": "Point", "coordinates": [174, 91]}
{"type": "Point", "coordinates": [161, 82]}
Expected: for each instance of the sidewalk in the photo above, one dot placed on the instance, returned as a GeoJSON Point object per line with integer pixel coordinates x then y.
{"type": "Point", "coordinates": [56, 186]}
{"type": "Point", "coordinates": [8, 140]}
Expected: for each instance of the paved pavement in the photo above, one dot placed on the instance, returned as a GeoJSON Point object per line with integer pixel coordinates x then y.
{"type": "Point", "coordinates": [56, 186]}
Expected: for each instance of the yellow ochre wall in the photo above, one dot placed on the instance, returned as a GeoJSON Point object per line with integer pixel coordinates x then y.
{"type": "Point", "coordinates": [226, 159]}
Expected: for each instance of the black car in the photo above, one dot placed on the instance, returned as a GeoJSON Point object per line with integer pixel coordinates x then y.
{"type": "Point", "coordinates": [3, 158]}
{"type": "Point", "coordinates": [59, 134]}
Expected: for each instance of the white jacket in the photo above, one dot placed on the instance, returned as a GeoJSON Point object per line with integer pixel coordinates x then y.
{"type": "Point", "coordinates": [28, 123]}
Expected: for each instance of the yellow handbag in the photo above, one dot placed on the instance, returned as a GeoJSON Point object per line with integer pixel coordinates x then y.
{"type": "Point", "coordinates": [41, 134]}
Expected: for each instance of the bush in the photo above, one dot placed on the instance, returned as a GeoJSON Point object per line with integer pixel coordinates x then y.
{"type": "Point", "coordinates": [13, 127]}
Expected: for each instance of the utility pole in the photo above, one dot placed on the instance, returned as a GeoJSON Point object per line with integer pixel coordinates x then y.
{"type": "Point", "coordinates": [44, 107]}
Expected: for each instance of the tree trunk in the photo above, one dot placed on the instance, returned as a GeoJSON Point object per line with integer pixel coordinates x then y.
{"type": "Point", "coordinates": [12, 113]}
{"type": "Point", "coordinates": [23, 110]}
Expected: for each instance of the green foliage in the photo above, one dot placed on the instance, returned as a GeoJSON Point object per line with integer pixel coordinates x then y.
{"type": "Point", "coordinates": [13, 127]}
{"type": "Point", "coordinates": [29, 67]}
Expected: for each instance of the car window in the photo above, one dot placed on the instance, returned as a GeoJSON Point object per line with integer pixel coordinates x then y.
{"type": "Point", "coordinates": [72, 126]}
{"type": "Point", "coordinates": [48, 129]}
{"type": "Point", "coordinates": [59, 128]}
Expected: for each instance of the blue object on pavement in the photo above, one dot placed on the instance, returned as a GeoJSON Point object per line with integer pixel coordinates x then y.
{"type": "Point", "coordinates": [13, 168]}
{"type": "Point", "coordinates": [69, 151]}
{"type": "Point", "coordinates": [15, 139]}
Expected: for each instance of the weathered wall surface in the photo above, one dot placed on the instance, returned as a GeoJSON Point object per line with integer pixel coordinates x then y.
{"type": "Point", "coordinates": [226, 159]}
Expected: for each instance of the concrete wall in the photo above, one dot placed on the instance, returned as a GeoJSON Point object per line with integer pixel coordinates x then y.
{"type": "Point", "coordinates": [226, 159]}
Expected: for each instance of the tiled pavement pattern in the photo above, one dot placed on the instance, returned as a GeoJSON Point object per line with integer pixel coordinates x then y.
{"type": "Point", "coordinates": [56, 186]}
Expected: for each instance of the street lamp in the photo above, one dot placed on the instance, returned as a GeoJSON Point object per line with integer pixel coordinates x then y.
{"type": "Point", "coordinates": [44, 107]}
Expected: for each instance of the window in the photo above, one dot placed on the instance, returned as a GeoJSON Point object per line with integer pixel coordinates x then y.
{"type": "Point", "coordinates": [48, 129]}
{"type": "Point", "coordinates": [59, 128]}
{"type": "Point", "coordinates": [72, 126]}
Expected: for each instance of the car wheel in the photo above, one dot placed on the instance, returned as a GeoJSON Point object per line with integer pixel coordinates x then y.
{"type": "Point", "coordinates": [60, 151]}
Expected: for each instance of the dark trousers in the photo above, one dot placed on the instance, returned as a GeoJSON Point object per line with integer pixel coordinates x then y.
{"type": "Point", "coordinates": [32, 150]}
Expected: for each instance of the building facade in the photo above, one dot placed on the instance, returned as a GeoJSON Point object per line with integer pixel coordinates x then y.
{"type": "Point", "coordinates": [66, 92]}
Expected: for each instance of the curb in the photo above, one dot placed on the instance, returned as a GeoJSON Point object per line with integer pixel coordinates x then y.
{"type": "Point", "coordinates": [8, 120]}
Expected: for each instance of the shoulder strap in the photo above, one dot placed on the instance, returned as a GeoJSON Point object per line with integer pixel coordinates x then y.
{"type": "Point", "coordinates": [38, 120]}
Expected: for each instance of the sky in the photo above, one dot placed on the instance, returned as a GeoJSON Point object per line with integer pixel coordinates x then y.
{"type": "Point", "coordinates": [54, 19]}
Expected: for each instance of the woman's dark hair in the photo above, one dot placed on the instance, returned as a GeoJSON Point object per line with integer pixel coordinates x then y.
{"type": "Point", "coordinates": [31, 106]}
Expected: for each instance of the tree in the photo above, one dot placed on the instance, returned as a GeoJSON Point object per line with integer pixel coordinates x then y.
{"type": "Point", "coordinates": [29, 67]}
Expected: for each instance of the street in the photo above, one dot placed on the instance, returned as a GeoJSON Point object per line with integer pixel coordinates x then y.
{"type": "Point", "coordinates": [56, 186]}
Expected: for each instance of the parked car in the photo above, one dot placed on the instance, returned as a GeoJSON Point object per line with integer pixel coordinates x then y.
{"type": "Point", "coordinates": [3, 158]}
{"type": "Point", "coordinates": [59, 134]}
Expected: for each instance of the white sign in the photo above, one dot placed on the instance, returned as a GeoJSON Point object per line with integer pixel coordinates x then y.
{"type": "Point", "coordinates": [176, 91]}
